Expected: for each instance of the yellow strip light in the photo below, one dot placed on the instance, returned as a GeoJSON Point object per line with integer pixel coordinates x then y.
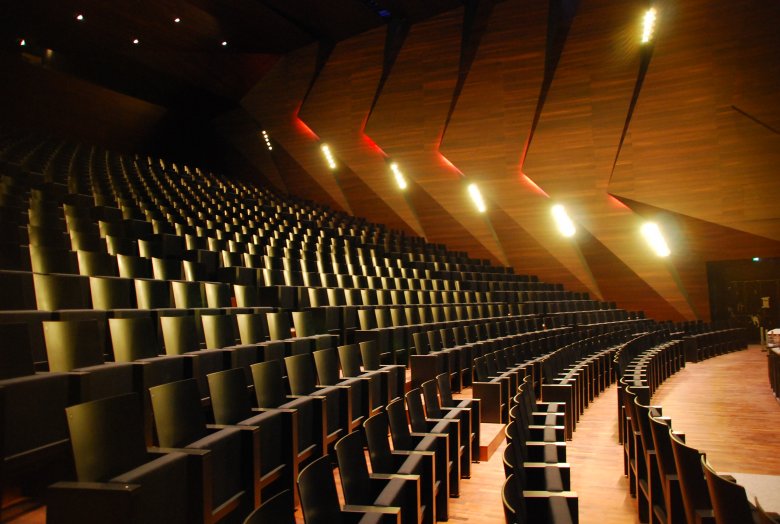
{"type": "Point", "coordinates": [476, 196]}
{"type": "Point", "coordinates": [648, 25]}
{"type": "Point", "coordinates": [328, 156]}
{"type": "Point", "coordinates": [655, 239]}
{"type": "Point", "coordinates": [399, 177]}
{"type": "Point", "coordinates": [562, 220]}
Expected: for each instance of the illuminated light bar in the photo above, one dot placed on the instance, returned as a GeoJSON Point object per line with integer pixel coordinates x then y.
{"type": "Point", "coordinates": [399, 177]}
{"type": "Point", "coordinates": [656, 239]}
{"type": "Point", "coordinates": [476, 196]}
{"type": "Point", "coordinates": [328, 156]}
{"type": "Point", "coordinates": [648, 25]}
{"type": "Point", "coordinates": [562, 220]}
{"type": "Point", "coordinates": [267, 141]}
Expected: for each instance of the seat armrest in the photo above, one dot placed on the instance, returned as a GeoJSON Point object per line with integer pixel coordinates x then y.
{"type": "Point", "coordinates": [386, 514]}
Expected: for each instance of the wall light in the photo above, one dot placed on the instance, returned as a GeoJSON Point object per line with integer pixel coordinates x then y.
{"type": "Point", "coordinates": [476, 196]}
{"type": "Point", "coordinates": [656, 239]}
{"type": "Point", "coordinates": [648, 25]}
{"type": "Point", "coordinates": [399, 176]}
{"type": "Point", "coordinates": [328, 156]}
{"type": "Point", "coordinates": [267, 141]}
{"type": "Point", "coordinates": [562, 220]}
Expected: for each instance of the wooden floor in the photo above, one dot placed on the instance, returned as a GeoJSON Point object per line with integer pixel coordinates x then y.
{"type": "Point", "coordinates": [724, 406]}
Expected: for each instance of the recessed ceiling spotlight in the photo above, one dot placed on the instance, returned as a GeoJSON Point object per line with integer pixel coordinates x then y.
{"type": "Point", "coordinates": [177, 20]}
{"type": "Point", "coordinates": [80, 17]}
{"type": "Point", "coordinates": [136, 41]}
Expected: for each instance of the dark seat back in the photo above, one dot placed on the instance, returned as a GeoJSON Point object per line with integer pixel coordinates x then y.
{"type": "Point", "coordinates": [178, 415]}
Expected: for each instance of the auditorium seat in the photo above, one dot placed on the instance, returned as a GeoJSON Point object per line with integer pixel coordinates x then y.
{"type": "Point", "coordinates": [279, 509]}
{"type": "Point", "coordinates": [77, 346]}
{"type": "Point", "coordinates": [693, 485]}
{"type": "Point", "coordinates": [233, 485]}
{"type": "Point", "coordinates": [35, 449]}
{"type": "Point", "coordinates": [320, 500]}
{"type": "Point", "coordinates": [361, 488]}
{"type": "Point", "coordinates": [117, 478]}
{"type": "Point", "coordinates": [302, 378]}
{"type": "Point", "coordinates": [278, 438]}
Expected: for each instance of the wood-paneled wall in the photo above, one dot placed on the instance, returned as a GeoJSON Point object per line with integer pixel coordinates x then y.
{"type": "Point", "coordinates": [543, 107]}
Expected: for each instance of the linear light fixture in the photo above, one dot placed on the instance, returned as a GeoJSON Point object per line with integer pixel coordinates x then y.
{"type": "Point", "coordinates": [399, 176]}
{"type": "Point", "coordinates": [476, 196]}
{"type": "Point", "coordinates": [648, 25]}
{"type": "Point", "coordinates": [655, 239]}
{"type": "Point", "coordinates": [328, 156]}
{"type": "Point", "coordinates": [562, 220]}
{"type": "Point", "coordinates": [267, 141]}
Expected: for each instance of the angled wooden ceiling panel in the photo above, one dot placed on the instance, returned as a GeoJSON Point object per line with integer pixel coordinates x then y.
{"type": "Point", "coordinates": [495, 113]}
{"type": "Point", "coordinates": [696, 242]}
{"type": "Point", "coordinates": [408, 120]}
{"type": "Point", "coordinates": [686, 134]}
{"type": "Point", "coordinates": [705, 137]}
{"type": "Point", "coordinates": [275, 101]}
{"type": "Point", "coordinates": [337, 108]}
{"type": "Point", "coordinates": [573, 149]}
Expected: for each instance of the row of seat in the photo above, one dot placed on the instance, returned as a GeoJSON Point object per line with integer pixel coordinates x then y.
{"type": "Point", "coordinates": [673, 482]}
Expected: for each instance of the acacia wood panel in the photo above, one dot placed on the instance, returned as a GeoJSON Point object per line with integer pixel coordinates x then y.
{"type": "Point", "coordinates": [705, 136]}
{"type": "Point", "coordinates": [698, 242]}
{"type": "Point", "coordinates": [575, 144]}
{"type": "Point", "coordinates": [337, 108]}
{"type": "Point", "coordinates": [488, 130]}
{"type": "Point", "coordinates": [407, 123]}
{"type": "Point", "coordinates": [274, 102]}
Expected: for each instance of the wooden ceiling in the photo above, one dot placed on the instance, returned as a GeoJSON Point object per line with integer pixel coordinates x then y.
{"type": "Point", "coordinates": [543, 103]}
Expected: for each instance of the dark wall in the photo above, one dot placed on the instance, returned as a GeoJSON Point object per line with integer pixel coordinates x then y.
{"type": "Point", "coordinates": [737, 288]}
{"type": "Point", "coordinates": [44, 101]}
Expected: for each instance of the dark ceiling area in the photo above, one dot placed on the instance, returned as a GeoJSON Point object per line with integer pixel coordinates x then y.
{"type": "Point", "coordinates": [184, 64]}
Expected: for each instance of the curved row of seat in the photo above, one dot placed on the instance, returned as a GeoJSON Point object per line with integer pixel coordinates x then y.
{"type": "Point", "coordinates": [537, 486]}
{"type": "Point", "coordinates": [672, 481]}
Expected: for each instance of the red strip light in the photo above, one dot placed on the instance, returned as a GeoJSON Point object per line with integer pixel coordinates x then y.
{"type": "Point", "coordinates": [532, 185]}
{"type": "Point", "coordinates": [368, 141]}
{"type": "Point", "coordinates": [301, 126]}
